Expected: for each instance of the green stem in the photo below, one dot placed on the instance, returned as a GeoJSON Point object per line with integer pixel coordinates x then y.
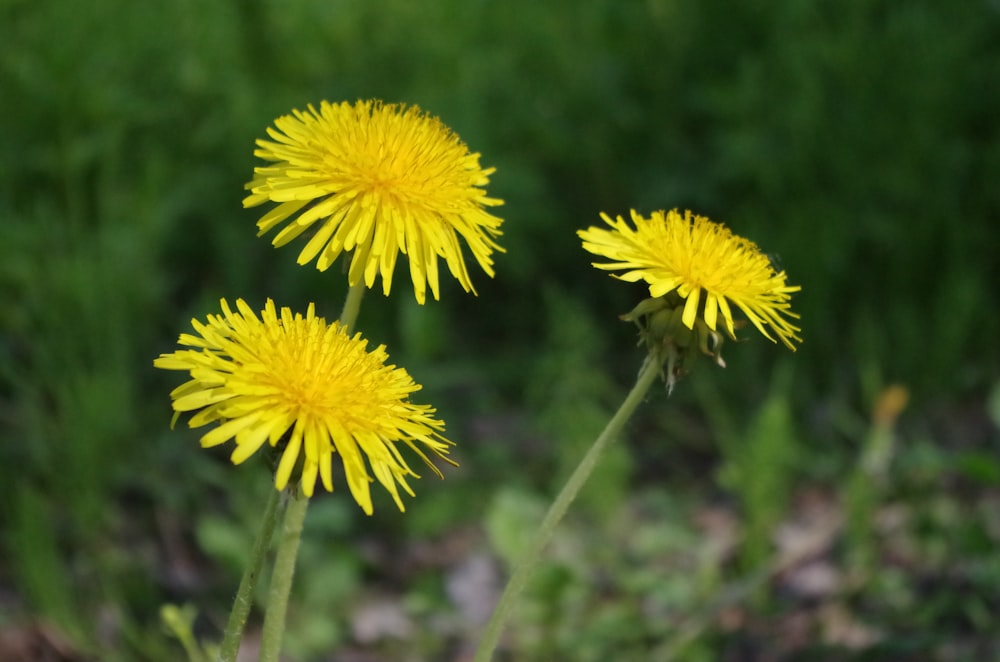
{"type": "Point", "coordinates": [352, 305]}
{"type": "Point", "coordinates": [291, 535]}
{"type": "Point", "coordinates": [526, 564]}
{"type": "Point", "coordinates": [281, 578]}
{"type": "Point", "coordinates": [244, 595]}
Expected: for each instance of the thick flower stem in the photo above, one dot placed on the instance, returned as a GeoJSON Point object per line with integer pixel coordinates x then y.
{"type": "Point", "coordinates": [352, 305]}
{"type": "Point", "coordinates": [291, 534]}
{"type": "Point", "coordinates": [281, 578]}
{"type": "Point", "coordinates": [526, 564]}
{"type": "Point", "coordinates": [244, 595]}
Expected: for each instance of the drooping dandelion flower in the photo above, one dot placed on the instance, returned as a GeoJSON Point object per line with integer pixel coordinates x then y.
{"type": "Point", "coordinates": [702, 262]}
{"type": "Point", "coordinates": [376, 180]}
{"type": "Point", "coordinates": [308, 389]}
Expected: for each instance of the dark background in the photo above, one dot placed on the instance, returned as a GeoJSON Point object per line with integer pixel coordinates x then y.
{"type": "Point", "coordinates": [856, 141]}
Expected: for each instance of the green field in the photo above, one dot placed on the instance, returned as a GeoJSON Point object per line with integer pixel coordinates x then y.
{"type": "Point", "coordinates": [840, 502]}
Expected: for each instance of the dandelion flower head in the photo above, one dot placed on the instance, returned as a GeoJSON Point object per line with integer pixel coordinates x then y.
{"type": "Point", "coordinates": [707, 265]}
{"type": "Point", "coordinates": [376, 180]}
{"type": "Point", "coordinates": [310, 390]}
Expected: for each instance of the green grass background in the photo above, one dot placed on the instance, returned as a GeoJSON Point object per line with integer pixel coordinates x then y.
{"type": "Point", "coordinates": [857, 141]}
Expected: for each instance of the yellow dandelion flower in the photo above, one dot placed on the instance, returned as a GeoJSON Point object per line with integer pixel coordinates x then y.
{"type": "Point", "coordinates": [704, 263]}
{"type": "Point", "coordinates": [376, 180]}
{"type": "Point", "coordinates": [309, 389]}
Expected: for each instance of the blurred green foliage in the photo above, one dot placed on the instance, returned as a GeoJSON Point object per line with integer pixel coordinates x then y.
{"type": "Point", "coordinates": [857, 141]}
